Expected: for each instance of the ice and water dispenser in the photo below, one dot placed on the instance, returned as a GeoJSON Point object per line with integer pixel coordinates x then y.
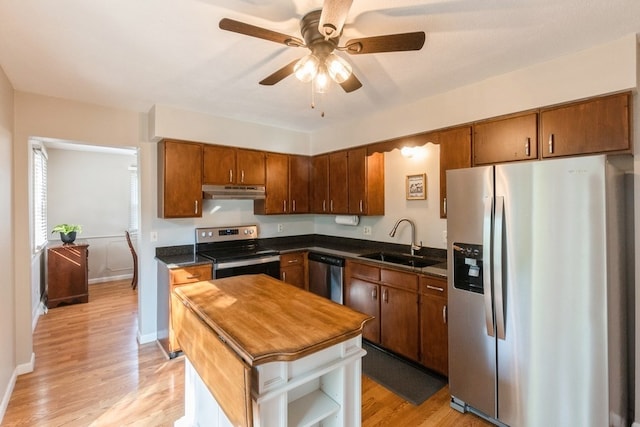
{"type": "Point", "coordinates": [467, 267]}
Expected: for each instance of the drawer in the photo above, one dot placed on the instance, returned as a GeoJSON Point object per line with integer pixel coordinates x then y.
{"type": "Point", "coordinates": [291, 258]}
{"type": "Point", "coordinates": [399, 279]}
{"type": "Point", "coordinates": [432, 286]}
{"type": "Point", "coordinates": [191, 274]}
{"type": "Point", "coordinates": [365, 271]}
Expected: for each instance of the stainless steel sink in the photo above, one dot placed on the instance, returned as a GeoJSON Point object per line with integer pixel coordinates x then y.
{"type": "Point", "coordinates": [400, 259]}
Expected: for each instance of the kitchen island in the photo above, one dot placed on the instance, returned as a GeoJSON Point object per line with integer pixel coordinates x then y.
{"type": "Point", "coordinates": [260, 352]}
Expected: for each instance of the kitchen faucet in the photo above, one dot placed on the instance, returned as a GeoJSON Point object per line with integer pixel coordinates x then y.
{"type": "Point", "coordinates": [414, 247]}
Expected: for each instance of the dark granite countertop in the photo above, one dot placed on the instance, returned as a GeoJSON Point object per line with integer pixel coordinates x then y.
{"type": "Point", "coordinates": [181, 256]}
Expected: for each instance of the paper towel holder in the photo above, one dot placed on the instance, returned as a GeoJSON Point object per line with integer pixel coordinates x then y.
{"type": "Point", "coordinates": [347, 219]}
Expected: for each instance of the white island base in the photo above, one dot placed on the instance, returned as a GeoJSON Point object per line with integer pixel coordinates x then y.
{"type": "Point", "coordinates": [321, 389]}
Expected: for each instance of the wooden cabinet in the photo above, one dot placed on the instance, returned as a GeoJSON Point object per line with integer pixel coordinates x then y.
{"type": "Point", "coordinates": [287, 185]}
{"type": "Point", "coordinates": [392, 298]}
{"type": "Point", "coordinates": [598, 125]}
{"type": "Point", "coordinates": [168, 280]}
{"type": "Point", "coordinates": [67, 274]}
{"type": "Point", "coordinates": [299, 198]}
{"type": "Point", "coordinates": [366, 182]}
{"type": "Point", "coordinates": [293, 269]}
{"type": "Point", "coordinates": [230, 165]}
{"type": "Point", "coordinates": [505, 139]}
{"type": "Point", "coordinates": [338, 183]}
{"type": "Point", "coordinates": [434, 342]}
{"type": "Point", "coordinates": [348, 182]}
{"type": "Point", "coordinates": [179, 179]}
{"type": "Point", "coordinates": [320, 184]}
{"type": "Point", "coordinates": [455, 153]}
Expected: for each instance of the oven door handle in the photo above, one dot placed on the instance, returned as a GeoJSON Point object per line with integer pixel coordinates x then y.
{"type": "Point", "coordinates": [246, 262]}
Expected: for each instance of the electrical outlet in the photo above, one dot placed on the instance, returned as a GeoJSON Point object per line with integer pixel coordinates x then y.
{"type": "Point", "coordinates": [367, 230]}
{"type": "Point", "coordinates": [154, 236]}
{"type": "Point", "coordinates": [444, 236]}
{"type": "Point", "coordinates": [280, 228]}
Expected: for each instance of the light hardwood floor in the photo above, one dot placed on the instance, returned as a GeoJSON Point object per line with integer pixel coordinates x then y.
{"type": "Point", "coordinates": [90, 371]}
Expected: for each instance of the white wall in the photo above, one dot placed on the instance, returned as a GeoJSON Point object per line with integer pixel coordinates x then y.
{"type": "Point", "coordinates": [7, 284]}
{"type": "Point", "coordinates": [92, 189]}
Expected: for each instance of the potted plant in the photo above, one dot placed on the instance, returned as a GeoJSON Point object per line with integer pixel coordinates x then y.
{"type": "Point", "coordinates": [67, 232]}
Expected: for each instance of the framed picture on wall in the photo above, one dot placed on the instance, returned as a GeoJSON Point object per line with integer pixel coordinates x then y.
{"type": "Point", "coordinates": [417, 187]}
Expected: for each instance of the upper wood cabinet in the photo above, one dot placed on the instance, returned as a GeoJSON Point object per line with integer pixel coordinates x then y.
{"type": "Point", "coordinates": [299, 174]}
{"type": "Point", "coordinates": [595, 126]}
{"type": "Point", "coordinates": [366, 182]}
{"type": "Point", "coordinates": [338, 183]}
{"type": "Point", "coordinates": [455, 153]}
{"type": "Point", "coordinates": [287, 185]}
{"type": "Point", "coordinates": [506, 139]}
{"type": "Point", "coordinates": [179, 179]}
{"type": "Point", "coordinates": [320, 184]}
{"type": "Point", "coordinates": [229, 165]}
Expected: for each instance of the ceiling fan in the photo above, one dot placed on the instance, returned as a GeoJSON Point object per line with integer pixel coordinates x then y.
{"type": "Point", "coordinates": [321, 31]}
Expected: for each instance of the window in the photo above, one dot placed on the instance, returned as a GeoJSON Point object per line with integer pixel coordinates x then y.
{"type": "Point", "coordinates": [133, 198]}
{"type": "Point", "coordinates": [40, 228]}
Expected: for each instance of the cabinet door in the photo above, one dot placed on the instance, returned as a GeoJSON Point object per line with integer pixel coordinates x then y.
{"type": "Point", "coordinates": [506, 140]}
{"type": "Point", "coordinates": [338, 183]}
{"type": "Point", "coordinates": [67, 275]}
{"type": "Point", "coordinates": [363, 296]}
{"type": "Point", "coordinates": [320, 184]}
{"type": "Point", "coordinates": [399, 321]}
{"type": "Point", "coordinates": [219, 165]}
{"type": "Point", "coordinates": [276, 201]}
{"type": "Point", "coordinates": [293, 275]}
{"type": "Point", "coordinates": [299, 200]}
{"type": "Point", "coordinates": [357, 180]}
{"type": "Point", "coordinates": [434, 337]}
{"type": "Point", "coordinates": [455, 153]}
{"type": "Point", "coordinates": [595, 126]}
{"type": "Point", "coordinates": [251, 167]}
{"type": "Point", "coordinates": [180, 179]}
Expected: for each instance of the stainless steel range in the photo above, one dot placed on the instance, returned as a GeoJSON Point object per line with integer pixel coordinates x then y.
{"type": "Point", "coordinates": [235, 251]}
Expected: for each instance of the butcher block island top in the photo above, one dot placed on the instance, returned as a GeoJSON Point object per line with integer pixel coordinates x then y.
{"type": "Point", "coordinates": [237, 332]}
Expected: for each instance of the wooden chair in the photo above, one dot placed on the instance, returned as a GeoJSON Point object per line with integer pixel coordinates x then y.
{"type": "Point", "coordinates": [134, 281]}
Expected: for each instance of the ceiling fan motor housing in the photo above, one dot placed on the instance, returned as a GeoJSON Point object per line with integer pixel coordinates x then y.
{"type": "Point", "coordinates": [314, 40]}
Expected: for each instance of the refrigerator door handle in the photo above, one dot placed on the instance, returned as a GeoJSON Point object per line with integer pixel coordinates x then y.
{"type": "Point", "coordinates": [486, 262]}
{"type": "Point", "coordinates": [497, 266]}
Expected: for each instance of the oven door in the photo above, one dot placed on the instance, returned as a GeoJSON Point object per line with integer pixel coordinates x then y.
{"type": "Point", "coordinates": [269, 265]}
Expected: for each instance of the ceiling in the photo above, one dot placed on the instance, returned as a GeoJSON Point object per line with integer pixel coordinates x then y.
{"type": "Point", "coordinates": [134, 54]}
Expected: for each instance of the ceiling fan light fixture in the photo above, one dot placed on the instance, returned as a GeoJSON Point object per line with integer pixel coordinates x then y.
{"type": "Point", "coordinates": [306, 68]}
{"type": "Point", "coordinates": [339, 69]}
{"type": "Point", "coordinates": [321, 81]}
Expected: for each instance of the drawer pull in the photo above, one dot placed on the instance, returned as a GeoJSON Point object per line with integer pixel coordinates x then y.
{"type": "Point", "coordinates": [293, 261]}
{"type": "Point", "coordinates": [193, 277]}
{"type": "Point", "coordinates": [435, 288]}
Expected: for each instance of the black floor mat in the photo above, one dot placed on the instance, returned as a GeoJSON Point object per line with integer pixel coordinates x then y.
{"type": "Point", "coordinates": [412, 384]}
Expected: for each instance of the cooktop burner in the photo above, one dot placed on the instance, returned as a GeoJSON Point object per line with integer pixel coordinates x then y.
{"type": "Point", "coordinates": [230, 243]}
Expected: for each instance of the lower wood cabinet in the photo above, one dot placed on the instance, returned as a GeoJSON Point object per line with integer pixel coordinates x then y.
{"type": "Point", "coordinates": [67, 274]}
{"type": "Point", "coordinates": [168, 280]}
{"type": "Point", "coordinates": [293, 269]}
{"type": "Point", "coordinates": [392, 297]}
{"type": "Point", "coordinates": [434, 341]}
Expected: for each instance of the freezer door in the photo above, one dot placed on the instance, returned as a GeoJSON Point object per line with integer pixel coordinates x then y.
{"type": "Point", "coordinates": [472, 345]}
{"type": "Point", "coordinates": [552, 362]}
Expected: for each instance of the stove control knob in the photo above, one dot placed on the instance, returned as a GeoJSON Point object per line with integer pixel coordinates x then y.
{"type": "Point", "coordinates": [203, 234]}
{"type": "Point", "coordinates": [211, 234]}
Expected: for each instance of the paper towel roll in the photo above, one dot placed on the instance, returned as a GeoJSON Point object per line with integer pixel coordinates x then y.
{"type": "Point", "coordinates": [347, 219]}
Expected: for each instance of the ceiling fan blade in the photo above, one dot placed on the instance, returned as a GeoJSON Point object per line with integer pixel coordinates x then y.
{"type": "Point", "coordinates": [334, 13]}
{"type": "Point", "coordinates": [259, 32]}
{"type": "Point", "coordinates": [388, 43]}
{"type": "Point", "coordinates": [351, 84]}
{"type": "Point", "coordinates": [283, 72]}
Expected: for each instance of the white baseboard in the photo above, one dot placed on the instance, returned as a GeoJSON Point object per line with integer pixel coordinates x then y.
{"type": "Point", "coordinates": [635, 424]}
{"type": "Point", "coordinates": [147, 338]}
{"type": "Point", "coordinates": [7, 395]}
{"type": "Point", "coordinates": [25, 368]}
{"type": "Point", "coordinates": [110, 278]}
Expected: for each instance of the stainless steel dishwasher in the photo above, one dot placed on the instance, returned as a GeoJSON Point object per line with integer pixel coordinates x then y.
{"type": "Point", "coordinates": [326, 276]}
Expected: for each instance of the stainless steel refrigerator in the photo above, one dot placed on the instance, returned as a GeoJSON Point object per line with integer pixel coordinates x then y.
{"type": "Point", "coordinates": [537, 292]}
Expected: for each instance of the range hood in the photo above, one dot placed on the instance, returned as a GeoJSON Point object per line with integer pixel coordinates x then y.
{"type": "Point", "coordinates": [233, 192]}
